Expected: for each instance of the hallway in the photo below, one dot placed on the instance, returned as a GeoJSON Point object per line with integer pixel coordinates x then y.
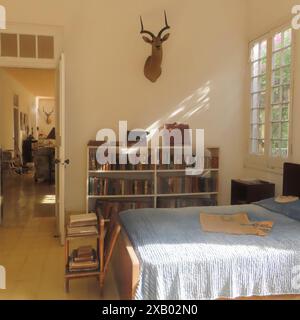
{"type": "Point", "coordinates": [25, 199]}
{"type": "Point", "coordinates": [29, 251]}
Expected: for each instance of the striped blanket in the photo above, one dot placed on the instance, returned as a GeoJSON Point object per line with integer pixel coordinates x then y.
{"type": "Point", "coordinates": [180, 261]}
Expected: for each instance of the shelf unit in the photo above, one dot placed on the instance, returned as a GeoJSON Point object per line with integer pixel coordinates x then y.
{"type": "Point", "coordinates": [99, 240]}
{"type": "Point", "coordinates": [186, 190]}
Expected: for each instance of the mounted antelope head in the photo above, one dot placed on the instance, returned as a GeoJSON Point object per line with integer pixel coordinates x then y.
{"type": "Point", "coordinates": [48, 116]}
{"type": "Point", "coordinates": [152, 68]}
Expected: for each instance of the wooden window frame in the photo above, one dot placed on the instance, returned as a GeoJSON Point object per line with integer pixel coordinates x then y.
{"type": "Point", "coordinates": [266, 161]}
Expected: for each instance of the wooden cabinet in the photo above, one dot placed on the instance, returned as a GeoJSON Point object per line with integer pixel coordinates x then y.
{"type": "Point", "coordinates": [246, 192]}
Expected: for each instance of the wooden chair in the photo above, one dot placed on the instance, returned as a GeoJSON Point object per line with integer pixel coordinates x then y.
{"type": "Point", "coordinates": [106, 249]}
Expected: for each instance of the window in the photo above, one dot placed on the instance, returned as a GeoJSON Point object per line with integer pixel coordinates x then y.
{"type": "Point", "coordinates": [258, 96]}
{"type": "Point", "coordinates": [271, 85]}
{"type": "Point", "coordinates": [15, 45]}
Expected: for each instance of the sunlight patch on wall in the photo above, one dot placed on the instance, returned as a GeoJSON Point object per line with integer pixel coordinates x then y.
{"type": "Point", "coordinates": [195, 103]}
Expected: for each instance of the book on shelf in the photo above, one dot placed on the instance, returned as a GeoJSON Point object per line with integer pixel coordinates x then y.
{"type": "Point", "coordinates": [83, 220]}
{"type": "Point", "coordinates": [119, 187]}
{"type": "Point", "coordinates": [94, 165]}
{"type": "Point", "coordinates": [186, 202]}
{"type": "Point", "coordinates": [187, 184]}
{"type": "Point", "coordinates": [81, 231]}
{"type": "Point", "coordinates": [84, 254]}
{"type": "Point", "coordinates": [81, 266]}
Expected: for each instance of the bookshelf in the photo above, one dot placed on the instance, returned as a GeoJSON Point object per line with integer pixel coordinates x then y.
{"type": "Point", "coordinates": [149, 186]}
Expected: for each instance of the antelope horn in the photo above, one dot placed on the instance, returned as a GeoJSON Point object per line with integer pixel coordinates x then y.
{"type": "Point", "coordinates": [143, 31]}
{"type": "Point", "coordinates": [166, 27]}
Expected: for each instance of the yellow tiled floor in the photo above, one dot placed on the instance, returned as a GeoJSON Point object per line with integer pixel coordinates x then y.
{"type": "Point", "coordinates": [31, 254]}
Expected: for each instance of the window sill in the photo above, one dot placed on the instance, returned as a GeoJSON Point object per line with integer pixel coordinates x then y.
{"type": "Point", "coordinates": [265, 167]}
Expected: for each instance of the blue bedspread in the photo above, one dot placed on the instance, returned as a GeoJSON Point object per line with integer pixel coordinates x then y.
{"type": "Point", "coordinates": [180, 261]}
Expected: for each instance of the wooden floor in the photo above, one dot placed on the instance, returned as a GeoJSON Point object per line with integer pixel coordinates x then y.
{"type": "Point", "coordinates": [29, 251]}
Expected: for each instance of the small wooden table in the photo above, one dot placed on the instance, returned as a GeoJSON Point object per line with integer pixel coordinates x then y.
{"type": "Point", "coordinates": [247, 191]}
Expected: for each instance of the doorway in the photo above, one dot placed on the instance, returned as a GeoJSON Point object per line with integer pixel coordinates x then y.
{"type": "Point", "coordinates": [28, 128]}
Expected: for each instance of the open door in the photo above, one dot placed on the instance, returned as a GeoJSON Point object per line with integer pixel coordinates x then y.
{"type": "Point", "coordinates": [60, 161]}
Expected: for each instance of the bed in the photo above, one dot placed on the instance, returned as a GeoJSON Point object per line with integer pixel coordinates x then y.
{"type": "Point", "coordinates": [163, 254]}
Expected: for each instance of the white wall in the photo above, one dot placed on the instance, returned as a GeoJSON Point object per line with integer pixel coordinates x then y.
{"type": "Point", "coordinates": [205, 55]}
{"type": "Point", "coordinates": [207, 52]}
{"type": "Point", "coordinates": [264, 16]}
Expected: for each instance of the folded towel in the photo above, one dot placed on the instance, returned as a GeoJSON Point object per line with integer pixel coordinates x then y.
{"type": "Point", "coordinates": [236, 224]}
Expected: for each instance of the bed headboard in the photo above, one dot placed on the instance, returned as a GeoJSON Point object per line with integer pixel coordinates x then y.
{"type": "Point", "coordinates": [291, 179]}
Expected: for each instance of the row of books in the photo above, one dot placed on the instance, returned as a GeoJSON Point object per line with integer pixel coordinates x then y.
{"type": "Point", "coordinates": [94, 165]}
{"type": "Point", "coordinates": [82, 225]}
{"type": "Point", "coordinates": [210, 162]}
{"type": "Point", "coordinates": [186, 202]}
{"type": "Point", "coordinates": [83, 259]}
{"type": "Point", "coordinates": [187, 184]}
{"type": "Point", "coordinates": [105, 187]}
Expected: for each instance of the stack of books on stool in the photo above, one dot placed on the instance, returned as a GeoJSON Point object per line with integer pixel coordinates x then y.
{"type": "Point", "coordinates": [82, 225]}
{"type": "Point", "coordinates": [83, 259]}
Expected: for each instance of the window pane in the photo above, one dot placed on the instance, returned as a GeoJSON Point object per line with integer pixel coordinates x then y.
{"type": "Point", "coordinates": [255, 52]}
{"type": "Point", "coordinates": [263, 82]}
{"type": "Point", "coordinates": [255, 84]}
{"type": "Point", "coordinates": [276, 148]}
{"type": "Point", "coordinates": [285, 112]}
{"type": "Point", "coordinates": [259, 83]}
{"type": "Point", "coordinates": [286, 94]}
{"type": "Point", "coordinates": [254, 146]}
{"type": "Point", "coordinates": [258, 116]}
{"type": "Point", "coordinates": [261, 131]}
{"type": "Point", "coordinates": [287, 38]}
{"type": "Point", "coordinates": [286, 56]}
{"type": "Point", "coordinates": [255, 100]}
{"type": "Point", "coordinates": [254, 132]}
{"type": "Point", "coordinates": [263, 49]}
{"type": "Point", "coordinates": [261, 116]}
{"type": "Point", "coordinates": [277, 42]}
{"type": "Point", "coordinates": [262, 99]}
{"type": "Point", "coordinates": [276, 95]}
{"type": "Point", "coordinates": [276, 113]}
{"type": "Point", "coordinates": [285, 130]}
{"type": "Point", "coordinates": [255, 69]}
{"type": "Point", "coordinates": [276, 60]}
{"type": "Point", "coordinates": [276, 77]}
{"type": "Point", "coordinates": [284, 149]}
{"type": "Point", "coordinates": [254, 117]}
{"type": "Point", "coordinates": [263, 66]}
{"type": "Point", "coordinates": [258, 100]}
{"type": "Point", "coordinates": [276, 131]}
{"type": "Point", "coordinates": [261, 146]}
{"type": "Point", "coordinates": [286, 75]}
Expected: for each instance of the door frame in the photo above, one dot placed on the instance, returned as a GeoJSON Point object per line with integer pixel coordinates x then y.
{"type": "Point", "coordinates": [60, 149]}
{"type": "Point", "coordinates": [23, 63]}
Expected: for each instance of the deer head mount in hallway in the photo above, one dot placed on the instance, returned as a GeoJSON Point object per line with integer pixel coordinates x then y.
{"type": "Point", "coordinates": [48, 116]}
{"type": "Point", "coordinates": [152, 69]}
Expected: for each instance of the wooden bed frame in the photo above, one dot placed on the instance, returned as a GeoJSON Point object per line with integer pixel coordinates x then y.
{"type": "Point", "coordinates": [126, 265]}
